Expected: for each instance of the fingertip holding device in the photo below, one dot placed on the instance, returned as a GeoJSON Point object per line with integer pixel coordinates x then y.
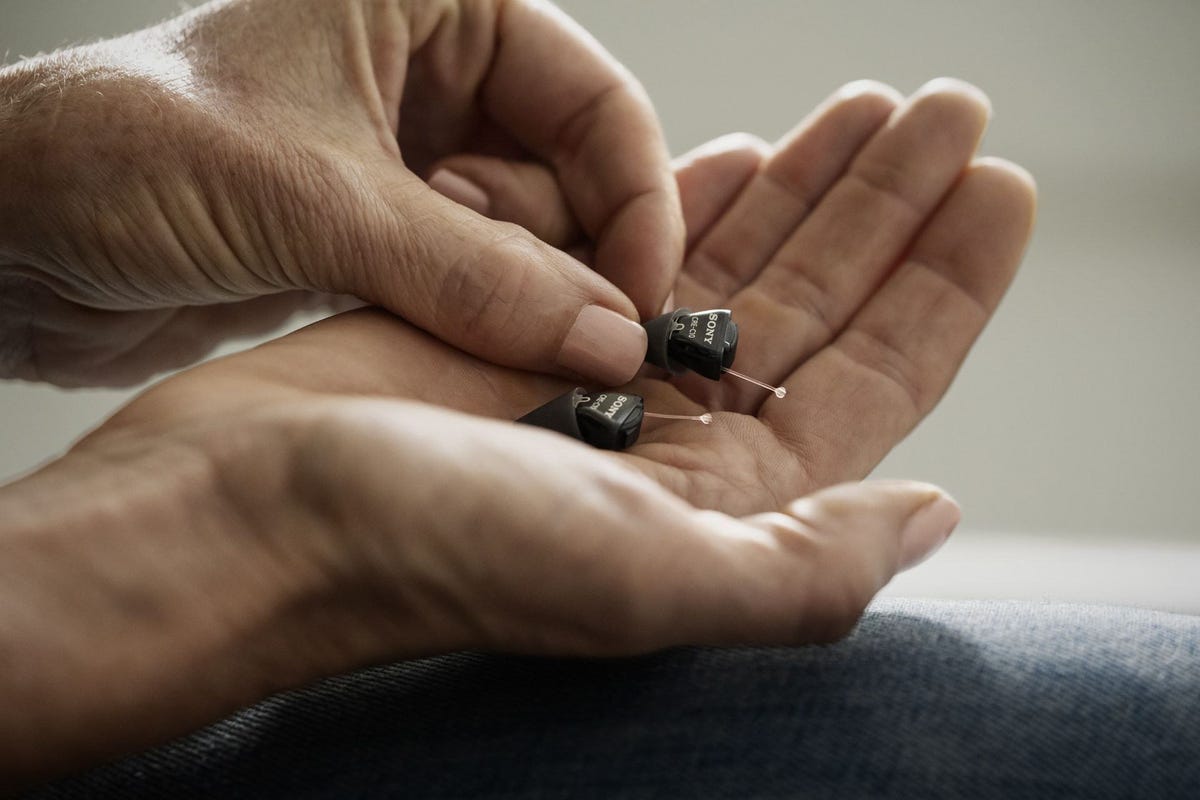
{"type": "Point", "coordinates": [704, 342]}
{"type": "Point", "coordinates": [607, 420]}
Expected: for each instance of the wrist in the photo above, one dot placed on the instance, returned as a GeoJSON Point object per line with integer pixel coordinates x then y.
{"type": "Point", "coordinates": [140, 600]}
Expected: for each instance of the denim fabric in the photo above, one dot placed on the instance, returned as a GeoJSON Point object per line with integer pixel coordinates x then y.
{"type": "Point", "coordinates": [925, 700]}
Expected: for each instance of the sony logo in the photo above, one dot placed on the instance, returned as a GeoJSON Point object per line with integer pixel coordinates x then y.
{"type": "Point", "coordinates": [616, 406]}
{"type": "Point", "coordinates": [710, 329]}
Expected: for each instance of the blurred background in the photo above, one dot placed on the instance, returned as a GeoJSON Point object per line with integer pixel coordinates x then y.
{"type": "Point", "coordinates": [1071, 436]}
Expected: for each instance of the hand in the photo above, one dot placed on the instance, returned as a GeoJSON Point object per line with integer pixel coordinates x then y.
{"type": "Point", "coordinates": [862, 256]}
{"type": "Point", "coordinates": [155, 186]}
{"type": "Point", "coordinates": [226, 538]}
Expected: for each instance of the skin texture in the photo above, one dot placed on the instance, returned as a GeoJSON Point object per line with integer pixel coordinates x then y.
{"type": "Point", "coordinates": [300, 509]}
{"type": "Point", "coordinates": [204, 178]}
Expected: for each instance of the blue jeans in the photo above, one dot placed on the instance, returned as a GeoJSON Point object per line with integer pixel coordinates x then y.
{"type": "Point", "coordinates": [925, 700]}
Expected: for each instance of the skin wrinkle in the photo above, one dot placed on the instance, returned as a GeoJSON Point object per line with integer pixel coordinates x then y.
{"type": "Point", "coordinates": [255, 244]}
{"type": "Point", "coordinates": [943, 275]}
{"type": "Point", "coordinates": [803, 294]}
{"type": "Point", "coordinates": [880, 181]}
{"type": "Point", "coordinates": [213, 256]}
{"type": "Point", "coordinates": [718, 271]}
{"type": "Point", "coordinates": [490, 305]}
{"type": "Point", "coordinates": [568, 140]}
{"type": "Point", "coordinates": [744, 485]}
{"type": "Point", "coordinates": [282, 206]}
{"type": "Point", "coordinates": [201, 240]}
{"type": "Point", "coordinates": [628, 203]}
{"type": "Point", "coordinates": [115, 288]}
{"type": "Point", "coordinates": [363, 76]}
{"type": "Point", "coordinates": [220, 211]}
{"type": "Point", "coordinates": [118, 240]}
{"type": "Point", "coordinates": [181, 244]}
{"type": "Point", "coordinates": [348, 250]}
{"type": "Point", "coordinates": [799, 452]}
{"type": "Point", "coordinates": [800, 195]}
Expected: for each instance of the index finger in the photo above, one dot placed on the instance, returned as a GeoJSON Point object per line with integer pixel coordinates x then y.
{"type": "Point", "coordinates": [567, 100]}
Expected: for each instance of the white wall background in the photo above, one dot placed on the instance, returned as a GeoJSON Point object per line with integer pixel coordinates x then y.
{"type": "Point", "coordinates": [1077, 412]}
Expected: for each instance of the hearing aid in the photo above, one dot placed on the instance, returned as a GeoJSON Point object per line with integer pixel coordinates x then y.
{"type": "Point", "coordinates": [609, 420]}
{"type": "Point", "coordinates": [704, 342]}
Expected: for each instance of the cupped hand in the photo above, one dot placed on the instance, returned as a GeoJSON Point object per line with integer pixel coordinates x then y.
{"type": "Point", "coordinates": [225, 537]}
{"type": "Point", "coordinates": [155, 187]}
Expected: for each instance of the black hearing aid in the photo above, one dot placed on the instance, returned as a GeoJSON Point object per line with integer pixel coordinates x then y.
{"type": "Point", "coordinates": [704, 342]}
{"type": "Point", "coordinates": [608, 420]}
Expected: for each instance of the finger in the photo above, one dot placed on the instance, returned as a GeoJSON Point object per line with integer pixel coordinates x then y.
{"type": "Point", "coordinates": [891, 365]}
{"type": "Point", "coordinates": [493, 289]}
{"type": "Point", "coordinates": [567, 101]}
{"type": "Point", "coordinates": [521, 192]}
{"type": "Point", "coordinates": [528, 194]}
{"type": "Point", "coordinates": [711, 176]}
{"type": "Point", "coordinates": [806, 162]}
{"type": "Point", "coordinates": [801, 575]}
{"type": "Point", "coordinates": [858, 232]}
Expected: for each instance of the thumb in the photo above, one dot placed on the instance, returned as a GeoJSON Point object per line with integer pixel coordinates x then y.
{"type": "Point", "coordinates": [807, 573]}
{"type": "Point", "coordinates": [495, 290]}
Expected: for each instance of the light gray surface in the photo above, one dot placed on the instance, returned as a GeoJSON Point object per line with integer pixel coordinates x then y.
{"type": "Point", "coordinates": [1077, 410]}
{"type": "Point", "coordinates": [1124, 571]}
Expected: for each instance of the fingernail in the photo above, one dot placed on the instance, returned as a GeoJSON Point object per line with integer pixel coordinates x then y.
{"type": "Point", "coordinates": [927, 529]}
{"type": "Point", "coordinates": [604, 346]}
{"type": "Point", "coordinates": [460, 190]}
